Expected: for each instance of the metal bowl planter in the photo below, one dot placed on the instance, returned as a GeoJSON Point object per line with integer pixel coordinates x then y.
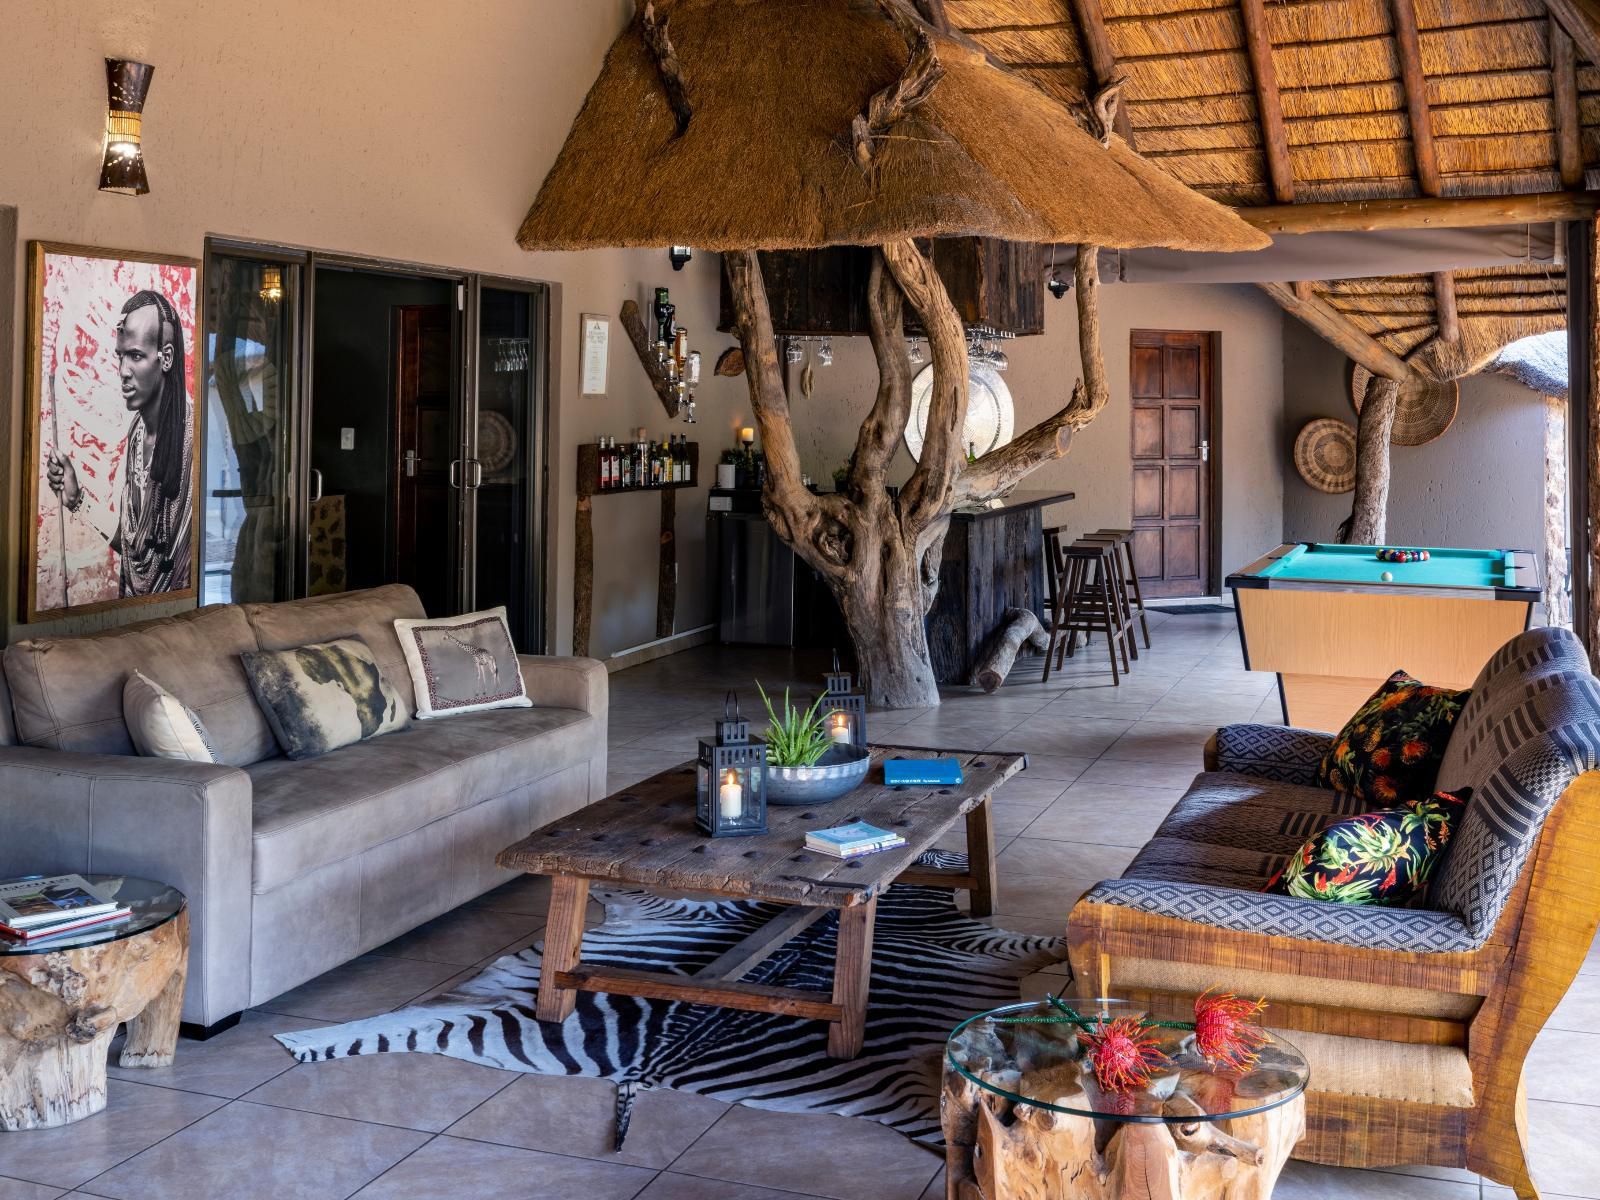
{"type": "Point", "coordinates": [842, 769]}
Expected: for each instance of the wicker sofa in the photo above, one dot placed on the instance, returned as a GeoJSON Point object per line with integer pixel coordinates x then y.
{"type": "Point", "coordinates": [290, 867]}
{"type": "Point", "coordinates": [1416, 1021]}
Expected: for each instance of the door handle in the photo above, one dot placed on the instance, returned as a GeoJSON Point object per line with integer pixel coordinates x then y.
{"type": "Point", "coordinates": [1205, 451]}
{"type": "Point", "coordinates": [454, 474]}
{"type": "Point", "coordinates": [476, 477]}
{"type": "Point", "coordinates": [316, 485]}
{"type": "Point", "coordinates": [411, 463]}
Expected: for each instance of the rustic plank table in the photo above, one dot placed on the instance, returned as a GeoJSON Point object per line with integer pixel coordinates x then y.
{"type": "Point", "coordinates": [645, 836]}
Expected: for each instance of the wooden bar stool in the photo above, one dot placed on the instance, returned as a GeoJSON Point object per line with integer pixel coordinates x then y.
{"type": "Point", "coordinates": [1130, 575]}
{"type": "Point", "coordinates": [1084, 600]}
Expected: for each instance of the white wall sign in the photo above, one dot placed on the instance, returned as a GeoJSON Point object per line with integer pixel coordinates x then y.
{"type": "Point", "coordinates": [596, 348]}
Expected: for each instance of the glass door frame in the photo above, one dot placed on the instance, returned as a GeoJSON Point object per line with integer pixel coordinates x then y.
{"type": "Point", "coordinates": [464, 435]}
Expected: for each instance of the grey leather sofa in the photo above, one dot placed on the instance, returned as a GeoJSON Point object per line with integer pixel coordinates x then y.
{"type": "Point", "coordinates": [290, 867]}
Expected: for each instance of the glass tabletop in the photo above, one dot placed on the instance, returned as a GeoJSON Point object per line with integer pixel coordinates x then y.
{"type": "Point", "coordinates": [1033, 1053]}
{"type": "Point", "coordinates": [152, 903]}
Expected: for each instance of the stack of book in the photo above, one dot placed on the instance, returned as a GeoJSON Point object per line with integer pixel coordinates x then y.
{"type": "Point", "coordinates": [44, 906]}
{"type": "Point", "coordinates": [852, 840]}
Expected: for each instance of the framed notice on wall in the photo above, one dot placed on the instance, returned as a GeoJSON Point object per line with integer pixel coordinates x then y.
{"type": "Point", "coordinates": [596, 347]}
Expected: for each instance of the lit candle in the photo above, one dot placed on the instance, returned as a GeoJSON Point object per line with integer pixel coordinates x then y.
{"type": "Point", "coordinates": [747, 435]}
{"type": "Point", "coordinates": [730, 797]}
{"type": "Point", "coordinates": [839, 727]}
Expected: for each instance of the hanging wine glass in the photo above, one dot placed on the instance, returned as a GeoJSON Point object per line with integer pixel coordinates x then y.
{"type": "Point", "coordinates": [793, 352]}
{"type": "Point", "coordinates": [914, 350]}
{"type": "Point", "coordinates": [825, 352]}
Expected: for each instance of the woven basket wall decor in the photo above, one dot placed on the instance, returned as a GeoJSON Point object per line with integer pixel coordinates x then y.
{"type": "Point", "coordinates": [1425, 410]}
{"type": "Point", "coordinates": [1325, 455]}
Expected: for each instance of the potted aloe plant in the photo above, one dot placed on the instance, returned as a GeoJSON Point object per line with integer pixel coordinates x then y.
{"type": "Point", "coordinates": [804, 764]}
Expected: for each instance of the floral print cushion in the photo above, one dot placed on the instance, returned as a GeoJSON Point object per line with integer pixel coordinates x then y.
{"type": "Point", "coordinates": [1376, 858]}
{"type": "Point", "coordinates": [1390, 750]}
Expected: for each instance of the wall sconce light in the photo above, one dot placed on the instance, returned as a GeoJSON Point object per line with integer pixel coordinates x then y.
{"type": "Point", "coordinates": [680, 255]}
{"type": "Point", "coordinates": [127, 85]}
{"type": "Point", "coordinates": [1059, 287]}
{"type": "Point", "coordinates": [272, 284]}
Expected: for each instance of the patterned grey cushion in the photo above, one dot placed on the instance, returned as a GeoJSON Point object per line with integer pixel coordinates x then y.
{"type": "Point", "coordinates": [319, 698]}
{"type": "Point", "coordinates": [1272, 752]}
{"type": "Point", "coordinates": [1531, 726]}
{"type": "Point", "coordinates": [1284, 916]}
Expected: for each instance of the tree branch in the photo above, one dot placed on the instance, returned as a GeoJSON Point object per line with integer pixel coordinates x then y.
{"type": "Point", "coordinates": [644, 347]}
{"type": "Point", "coordinates": [1000, 470]}
{"type": "Point", "coordinates": [927, 494]}
{"type": "Point", "coordinates": [1370, 510]}
{"type": "Point", "coordinates": [886, 108]}
{"type": "Point", "coordinates": [659, 42]}
{"type": "Point", "coordinates": [880, 432]}
{"type": "Point", "coordinates": [791, 508]}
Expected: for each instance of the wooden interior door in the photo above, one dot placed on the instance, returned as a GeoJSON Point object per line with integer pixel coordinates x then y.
{"type": "Point", "coordinates": [423, 452]}
{"type": "Point", "coordinates": [1170, 377]}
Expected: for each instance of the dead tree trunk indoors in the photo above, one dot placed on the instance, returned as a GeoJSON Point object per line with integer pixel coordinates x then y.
{"type": "Point", "coordinates": [880, 554]}
{"type": "Point", "coordinates": [1369, 516]}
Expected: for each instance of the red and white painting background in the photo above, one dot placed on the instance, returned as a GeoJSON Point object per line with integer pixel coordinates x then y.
{"type": "Point", "coordinates": [83, 299]}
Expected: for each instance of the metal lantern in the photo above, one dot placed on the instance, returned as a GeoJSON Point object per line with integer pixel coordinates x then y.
{"type": "Point", "coordinates": [731, 791]}
{"type": "Point", "coordinates": [844, 711]}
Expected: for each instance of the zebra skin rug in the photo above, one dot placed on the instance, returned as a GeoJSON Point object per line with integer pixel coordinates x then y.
{"type": "Point", "coordinates": [932, 967]}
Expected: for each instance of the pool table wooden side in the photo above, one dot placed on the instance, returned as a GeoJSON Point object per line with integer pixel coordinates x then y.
{"type": "Point", "coordinates": [1331, 649]}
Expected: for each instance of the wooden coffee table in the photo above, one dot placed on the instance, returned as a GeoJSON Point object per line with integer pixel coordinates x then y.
{"type": "Point", "coordinates": [645, 836]}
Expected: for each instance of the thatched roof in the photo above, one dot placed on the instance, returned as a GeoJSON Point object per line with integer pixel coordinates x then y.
{"type": "Point", "coordinates": [1490, 68]}
{"type": "Point", "coordinates": [766, 159]}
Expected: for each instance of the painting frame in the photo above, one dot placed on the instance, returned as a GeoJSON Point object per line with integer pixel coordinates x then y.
{"type": "Point", "coordinates": [35, 607]}
{"type": "Point", "coordinates": [594, 355]}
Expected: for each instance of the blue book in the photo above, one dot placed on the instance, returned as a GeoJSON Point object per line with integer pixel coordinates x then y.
{"type": "Point", "coordinates": [921, 772]}
{"type": "Point", "coordinates": [846, 841]}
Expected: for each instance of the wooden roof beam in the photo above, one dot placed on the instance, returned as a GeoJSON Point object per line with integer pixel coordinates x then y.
{"type": "Point", "coordinates": [1581, 20]}
{"type": "Point", "coordinates": [1102, 60]}
{"type": "Point", "coordinates": [1444, 301]}
{"type": "Point", "coordinates": [1338, 329]}
{"type": "Point", "coordinates": [1428, 212]}
{"type": "Point", "coordinates": [1274, 135]}
{"type": "Point", "coordinates": [1416, 88]}
{"type": "Point", "coordinates": [1564, 89]}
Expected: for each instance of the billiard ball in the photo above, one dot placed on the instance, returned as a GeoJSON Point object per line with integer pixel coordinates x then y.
{"type": "Point", "coordinates": [1387, 577]}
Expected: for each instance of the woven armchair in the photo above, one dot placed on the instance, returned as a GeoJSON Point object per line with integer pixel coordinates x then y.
{"type": "Point", "coordinates": [1416, 1021]}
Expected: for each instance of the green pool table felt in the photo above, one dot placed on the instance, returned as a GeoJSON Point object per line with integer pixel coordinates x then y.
{"type": "Point", "coordinates": [1445, 567]}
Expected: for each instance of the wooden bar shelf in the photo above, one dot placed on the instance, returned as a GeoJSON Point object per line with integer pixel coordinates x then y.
{"type": "Point", "coordinates": [589, 473]}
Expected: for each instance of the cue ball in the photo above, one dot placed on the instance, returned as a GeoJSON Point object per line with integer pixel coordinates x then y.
{"type": "Point", "coordinates": [1387, 577]}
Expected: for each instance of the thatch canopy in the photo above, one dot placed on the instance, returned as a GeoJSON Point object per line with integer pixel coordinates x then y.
{"type": "Point", "coordinates": [765, 161]}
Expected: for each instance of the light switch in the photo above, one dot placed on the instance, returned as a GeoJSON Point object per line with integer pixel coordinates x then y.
{"type": "Point", "coordinates": [347, 438]}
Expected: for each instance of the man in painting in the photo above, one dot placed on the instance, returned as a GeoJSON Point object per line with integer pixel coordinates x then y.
{"type": "Point", "coordinates": [150, 530]}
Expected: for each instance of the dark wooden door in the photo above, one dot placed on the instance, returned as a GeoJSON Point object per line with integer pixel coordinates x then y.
{"type": "Point", "coordinates": [1170, 377]}
{"type": "Point", "coordinates": [424, 449]}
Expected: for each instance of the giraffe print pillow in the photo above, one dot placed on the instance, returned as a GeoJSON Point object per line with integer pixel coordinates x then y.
{"type": "Point", "coordinates": [462, 664]}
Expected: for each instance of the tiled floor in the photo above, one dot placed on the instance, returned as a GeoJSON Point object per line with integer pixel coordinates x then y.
{"type": "Point", "coordinates": [236, 1118]}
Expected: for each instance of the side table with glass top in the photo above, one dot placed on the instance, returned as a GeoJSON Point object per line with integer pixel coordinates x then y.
{"type": "Point", "coordinates": [62, 999]}
{"type": "Point", "coordinates": [1024, 1118]}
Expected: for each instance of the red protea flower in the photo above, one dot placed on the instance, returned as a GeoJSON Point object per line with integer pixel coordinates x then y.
{"type": "Point", "coordinates": [1381, 757]}
{"type": "Point", "coordinates": [1124, 1052]}
{"type": "Point", "coordinates": [1413, 751]}
{"type": "Point", "coordinates": [1222, 1030]}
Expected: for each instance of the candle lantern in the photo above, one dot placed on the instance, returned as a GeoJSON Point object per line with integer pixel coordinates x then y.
{"type": "Point", "coordinates": [844, 710]}
{"type": "Point", "coordinates": [731, 792]}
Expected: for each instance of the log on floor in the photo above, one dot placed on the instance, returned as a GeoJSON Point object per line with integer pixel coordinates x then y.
{"type": "Point", "coordinates": [1021, 627]}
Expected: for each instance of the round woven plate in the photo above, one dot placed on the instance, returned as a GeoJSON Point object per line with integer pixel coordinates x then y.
{"type": "Point", "coordinates": [990, 413]}
{"type": "Point", "coordinates": [1426, 409]}
{"type": "Point", "coordinates": [1325, 455]}
{"type": "Point", "coordinates": [497, 441]}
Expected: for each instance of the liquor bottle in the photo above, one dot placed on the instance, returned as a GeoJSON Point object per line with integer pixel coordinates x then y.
{"type": "Point", "coordinates": [674, 462]}
{"type": "Point", "coordinates": [683, 459]}
{"type": "Point", "coordinates": [666, 327]}
{"type": "Point", "coordinates": [608, 461]}
{"type": "Point", "coordinates": [602, 481]}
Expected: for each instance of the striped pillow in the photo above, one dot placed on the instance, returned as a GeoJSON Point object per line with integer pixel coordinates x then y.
{"type": "Point", "coordinates": [161, 725]}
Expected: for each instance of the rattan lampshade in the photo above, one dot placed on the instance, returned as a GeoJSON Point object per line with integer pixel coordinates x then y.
{"type": "Point", "coordinates": [1325, 455]}
{"type": "Point", "coordinates": [1425, 409]}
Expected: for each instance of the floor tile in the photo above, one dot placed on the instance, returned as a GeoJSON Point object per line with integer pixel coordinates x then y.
{"type": "Point", "coordinates": [463, 1170]}
{"type": "Point", "coordinates": [528, 895]}
{"type": "Point", "coordinates": [935, 1190]}
{"type": "Point", "coordinates": [227, 1065]}
{"type": "Point", "coordinates": [1056, 766]}
{"type": "Point", "coordinates": [362, 987]}
{"type": "Point", "coordinates": [249, 1150]}
{"type": "Point", "coordinates": [838, 1157]}
{"type": "Point", "coordinates": [578, 1116]}
{"type": "Point", "coordinates": [671, 1186]}
{"type": "Point", "coordinates": [135, 1117]}
{"type": "Point", "coordinates": [463, 936]}
{"type": "Point", "coordinates": [417, 1091]}
{"type": "Point", "coordinates": [1309, 1181]}
{"type": "Point", "coordinates": [1069, 736]}
{"type": "Point", "coordinates": [18, 1189]}
{"type": "Point", "coordinates": [1045, 878]}
{"type": "Point", "coordinates": [1027, 790]}
{"type": "Point", "coordinates": [1564, 1150]}
{"type": "Point", "coordinates": [1105, 814]}
{"type": "Point", "coordinates": [1561, 1067]}
{"type": "Point", "coordinates": [1142, 774]}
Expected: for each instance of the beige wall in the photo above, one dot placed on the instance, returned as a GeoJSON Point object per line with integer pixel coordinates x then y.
{"type": "Point", "coordinates": [1098, 468]}
{"type": "Point", "coordinates": [393, 128]}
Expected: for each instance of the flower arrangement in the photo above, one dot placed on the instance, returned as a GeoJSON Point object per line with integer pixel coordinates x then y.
{"type": "Point", "coordinates": [795, 739]}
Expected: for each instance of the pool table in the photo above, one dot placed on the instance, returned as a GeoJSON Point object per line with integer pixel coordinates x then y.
{"type": "Point", "coordinates": [1326, 621]}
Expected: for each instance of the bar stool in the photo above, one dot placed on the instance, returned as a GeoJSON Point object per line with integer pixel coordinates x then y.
{"type": "Point", "coordinates": [1084, 600]}
{"type": "Point", "coordinates": [1132, 594]}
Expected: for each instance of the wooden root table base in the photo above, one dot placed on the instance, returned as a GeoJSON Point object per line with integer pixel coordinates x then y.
{"type": "Point", "coordinates": [997, 1150]}
{"type": "Point", "coordinates": [60, 1009]}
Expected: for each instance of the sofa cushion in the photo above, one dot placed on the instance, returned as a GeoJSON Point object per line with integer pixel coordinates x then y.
{"type": "Point", "coordinates": [369, 615]}
{"type": "Point", "coordinates": [462, 664]}
{"type": "Point", "coordinates": [1406, 1071]}
{"type": "Point", "coordinates": [161, 725]}
{"type": "Point", "coordinates": [320, 697]}
{"type": "Point", "coordinates": [1531, 727]}
{"type": "Point", "coordinates": [318, 811]}
{"type": "Point", "coordinates": [67, 692]}
{"type": "Point", "coordinates": [1272, 752]}
{"type": "Point", "coordinates": [1391, 748]}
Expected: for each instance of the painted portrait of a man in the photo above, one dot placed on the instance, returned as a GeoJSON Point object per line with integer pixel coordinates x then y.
{"type": "Point", "coordinates": [112, 377]}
